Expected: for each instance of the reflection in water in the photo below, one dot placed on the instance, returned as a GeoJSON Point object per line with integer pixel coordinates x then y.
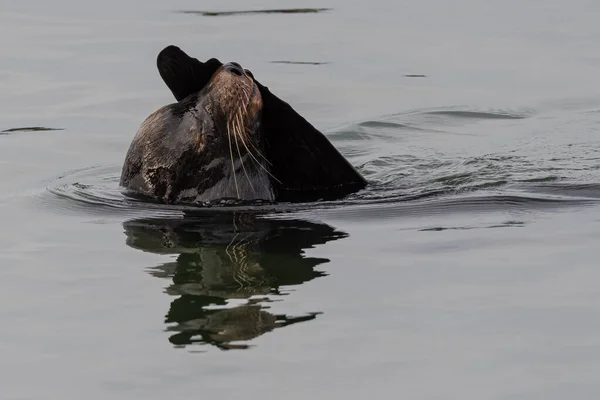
{"type": "Point", "coordinates": [225, 256]}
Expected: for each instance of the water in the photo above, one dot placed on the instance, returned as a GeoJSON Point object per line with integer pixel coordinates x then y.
{"type": "Point", "coordinates": [466, 270]}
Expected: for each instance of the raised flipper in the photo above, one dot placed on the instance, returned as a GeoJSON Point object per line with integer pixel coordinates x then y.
{"type": "Point", "coordinates": [307, 166]}
{"type": "Point", "coordinates": [183, 74]}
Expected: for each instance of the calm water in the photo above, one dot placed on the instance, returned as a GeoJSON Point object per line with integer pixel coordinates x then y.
{"type": "Point", "coordinates": [468, 269]}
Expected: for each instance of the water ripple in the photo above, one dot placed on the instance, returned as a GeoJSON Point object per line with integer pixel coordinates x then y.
{"type": "Point", "coordinates": [478, 115]}
{"type": "Point", "coordinates": [427, 172]}
{"type": "Point", "coordinates": [92, 192]}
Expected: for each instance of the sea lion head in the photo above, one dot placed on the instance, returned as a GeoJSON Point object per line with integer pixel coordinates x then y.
{"type": "Point", "coordinates": [207, 146]}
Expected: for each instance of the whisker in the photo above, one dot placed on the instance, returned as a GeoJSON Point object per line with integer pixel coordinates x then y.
{"type": "Point", "coordinates": [232, 164]}
{"type": "Point", "coordinates": [259, 153]}
{"type": "Point", "coordinates": [252, 144]}
{"type": "Point", "coordinates": [252, 155]}
{"type": "Point", "coordinates": [235, 139]}
{"type": "Point", "coordinates": [238, 119]}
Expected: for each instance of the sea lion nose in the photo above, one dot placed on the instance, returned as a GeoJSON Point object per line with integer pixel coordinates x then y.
{"type": "Point", "coordinates": [235, 68]}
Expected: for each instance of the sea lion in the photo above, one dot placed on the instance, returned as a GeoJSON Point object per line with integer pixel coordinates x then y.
{"type": "Point", "coordinates": [228, 136]}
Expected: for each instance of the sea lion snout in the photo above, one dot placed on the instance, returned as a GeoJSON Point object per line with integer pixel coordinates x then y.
{"type": "Point", "coordinates": [235, 93]}
{"type": "Point", "coordinates": [234, 68]}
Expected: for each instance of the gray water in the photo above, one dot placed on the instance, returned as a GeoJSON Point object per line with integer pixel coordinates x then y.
{"type": "Point", "coordinates": [468, 269]}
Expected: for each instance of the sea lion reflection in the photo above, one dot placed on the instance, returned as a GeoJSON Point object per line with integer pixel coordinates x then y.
{"type": "Point", "coordinates": [223, 257]}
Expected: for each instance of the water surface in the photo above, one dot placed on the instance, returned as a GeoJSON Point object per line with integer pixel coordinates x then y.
{"type": "Point", "coordinates": [467, 269]}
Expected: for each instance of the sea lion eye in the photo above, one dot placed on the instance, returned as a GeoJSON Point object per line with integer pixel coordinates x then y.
{"type": "Point", "coordinates": [249, 73]}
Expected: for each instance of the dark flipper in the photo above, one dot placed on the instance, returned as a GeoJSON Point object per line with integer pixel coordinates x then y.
{"type": "Point", "coordinates": [302, 157]}
{"type": "Point", "coordinates": [183, 74]}
{"type": "Point", "coordinates": [305, 162]}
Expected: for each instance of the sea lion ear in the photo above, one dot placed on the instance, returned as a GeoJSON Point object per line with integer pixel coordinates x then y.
{"type": "Point", "coordinates": [183, 74]}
